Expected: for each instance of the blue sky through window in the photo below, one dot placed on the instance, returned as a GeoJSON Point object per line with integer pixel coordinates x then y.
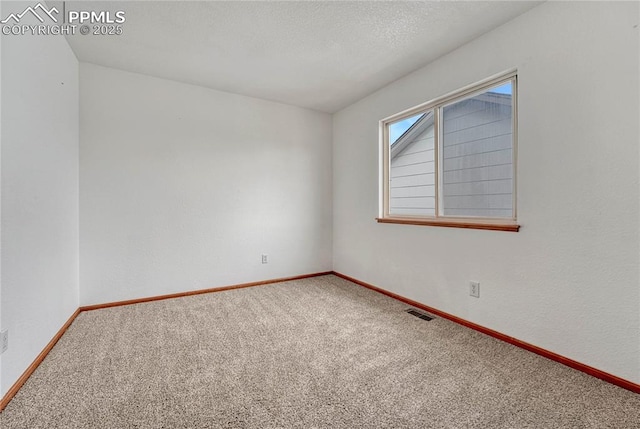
{"type": "Point", "coordinates": [398, 128]}
{"type": "Point", "coordinates": [502, 89]}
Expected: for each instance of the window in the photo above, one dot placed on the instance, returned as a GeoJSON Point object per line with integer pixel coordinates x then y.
{"type": "Point", "coordinates": [451, 161]}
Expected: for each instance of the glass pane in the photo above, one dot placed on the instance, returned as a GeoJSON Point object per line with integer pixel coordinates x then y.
{"type": "Point", "coordinates": [477, 155]}
{"type": "Point", "coordinates": [412, 166]}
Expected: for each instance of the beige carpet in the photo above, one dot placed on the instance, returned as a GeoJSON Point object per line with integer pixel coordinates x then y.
{"type": "Point", "coordinates": [314, 353]}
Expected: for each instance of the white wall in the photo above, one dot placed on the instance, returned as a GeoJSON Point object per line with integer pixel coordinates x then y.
{"type": "Point", "coordinates": [569, 280]}
{"type": "Point", "coordinates": [1, 328]}
{"type": "Point", "coordinates": [39, 194]}
{"type": "Point", "coordinates": [183, 188]}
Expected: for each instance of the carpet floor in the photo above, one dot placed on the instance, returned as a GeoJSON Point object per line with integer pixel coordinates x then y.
{"type": "Point", "coordinates": [314, 353]}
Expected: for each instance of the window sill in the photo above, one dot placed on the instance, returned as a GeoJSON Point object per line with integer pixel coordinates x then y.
{"type": "Point", "coordinates": [465, 223]}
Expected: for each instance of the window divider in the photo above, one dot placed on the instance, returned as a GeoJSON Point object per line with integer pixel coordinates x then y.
{"type": "Point", "coordinates": [437, 158]}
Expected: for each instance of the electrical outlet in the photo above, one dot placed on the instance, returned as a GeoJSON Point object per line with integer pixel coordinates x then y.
{"type": "Point", "coordinates": [474, 289]}
{"type": "Point", "coordinates": [4, 341]}
{"type": "Point", "coordinates": [265, 259]}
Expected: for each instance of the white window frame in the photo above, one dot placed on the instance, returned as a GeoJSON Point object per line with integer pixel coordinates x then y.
{"type": "Point", "coordinates": [494, 223]}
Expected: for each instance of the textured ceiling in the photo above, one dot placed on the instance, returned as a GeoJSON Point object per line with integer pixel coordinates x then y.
{"type": "Point", "coordinates": [321, 55]}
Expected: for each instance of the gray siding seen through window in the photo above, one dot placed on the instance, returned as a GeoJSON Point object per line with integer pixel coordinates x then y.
{"type": "Point", "coordinates": [412, 173]}
{"type": "Point", "coordinates": [477, 161]}
{"type": "Point", "coordinates": [477, 170]}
